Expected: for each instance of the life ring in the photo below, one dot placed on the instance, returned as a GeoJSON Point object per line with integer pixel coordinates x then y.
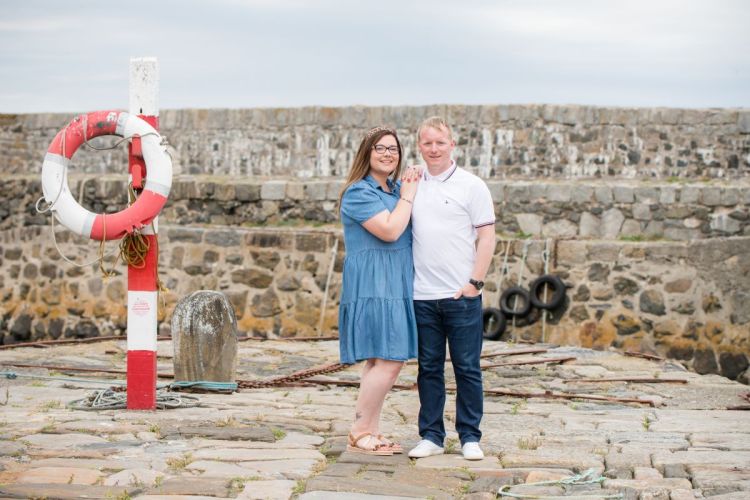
{"type": "Point", "coordinates": [494, 323]}
{"type": "Point", "coordinates": [536, 291]}
{"type": "Point", "coordinates": [521, 304]}
{"type": "Point", "coordinates": [55, 175]}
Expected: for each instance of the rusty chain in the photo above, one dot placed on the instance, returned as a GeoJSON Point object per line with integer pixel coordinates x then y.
{"type": "Point", "coordinates": [292, 377]}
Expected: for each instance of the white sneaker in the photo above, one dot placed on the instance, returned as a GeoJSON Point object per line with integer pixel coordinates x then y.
{"type": "Point", "coordinates": [425, 448]}
{"type": "Point", "coordinates": [472, 451]}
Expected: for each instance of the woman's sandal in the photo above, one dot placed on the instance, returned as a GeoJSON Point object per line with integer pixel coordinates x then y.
{"type": "Point", "coordinates": [394, 447]}
{"type": "Point", "coordinates": [378, 449]}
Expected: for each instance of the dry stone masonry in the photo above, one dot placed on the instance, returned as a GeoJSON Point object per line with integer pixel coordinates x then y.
{"type": "Point", "coordinates": [647, 210]}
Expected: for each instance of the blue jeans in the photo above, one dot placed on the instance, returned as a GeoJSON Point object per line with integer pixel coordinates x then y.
{"type": "Point", "coordinates": [459, 321]}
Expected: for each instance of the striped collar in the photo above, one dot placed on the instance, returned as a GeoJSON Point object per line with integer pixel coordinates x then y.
{"type": "Point", "coordinates": [443, 176]}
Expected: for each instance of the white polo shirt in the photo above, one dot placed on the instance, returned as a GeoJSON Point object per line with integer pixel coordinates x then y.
{"type": "Point", "coordinates": [447, 211]}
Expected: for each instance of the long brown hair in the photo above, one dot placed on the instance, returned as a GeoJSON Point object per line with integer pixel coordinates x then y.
{"type": "Point", "coordinates": [361, 165]}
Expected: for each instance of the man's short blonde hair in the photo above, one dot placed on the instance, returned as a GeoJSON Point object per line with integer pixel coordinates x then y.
{"type": "Point", "coordinates": [435, 122]}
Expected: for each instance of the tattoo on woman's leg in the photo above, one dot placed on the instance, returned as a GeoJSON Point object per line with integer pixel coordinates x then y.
{"type": "Point", "coordinates": [357, 416]}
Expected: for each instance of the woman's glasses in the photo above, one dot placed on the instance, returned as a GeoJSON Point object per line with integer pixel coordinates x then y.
{"type": "Point", "coordinates": [380, 149]}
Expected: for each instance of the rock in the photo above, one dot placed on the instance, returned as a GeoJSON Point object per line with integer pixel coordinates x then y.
{"type": "Point", "coordinates": [288, 282]}
{"type": "Point", "coordinates": [279, 489]}
{"type": "Point", "coordinates": [265, 305]}
{"type": "Point", "coordinates": [21, 328]}
{"type": "Point", "coordinates": [529, 224]}
{"type": "Point", "coordinates": [252, 277]}
{"type": "Point", "coordinates": [66, 491]}
{"type": "Point", "coordinates": [55, 328]}
{"type": "Point", "coordinates": [590, 226]}
{"type": "Point", "coordinates": [681, 285]}
{"type": "Point", "coordinates": [59, 475]}
{"type": "Point", "coordinates": [561, 229]}
{"type": "Point", "coordinates": [268, 260]}
{"type": "Point", "coordinates": [85, 330]}
{"type": "Point", "coordinates": [675, 470]}
{"type": "Point", "coordinates": [582, 294]}
{"type": "Point", "coordinates": [263, 434]}
{"type": "Point", "coordinates": [666, 328]}
{"type": "Point", "coordinates": [711, 303]}
{"type": "Point", "coordinates": [625, 286]}
{"type": "Point", "coordinates": [579, 313]}
{"type": "Point", "coordinates": [204, 333]}
{"type": "Point", "coordinates": [740, 307]}
{"type": "Point", "coordinates": [732, 364]}
{"type": "Point", "coordinates": [704, 361]}
{"type": "Point", "coordinates": [598, 272]}
{"type": "Point", "coordinates": [223, 238]}
{"type": "Point", "coordinates": [652, 302]}
{"type": "Point", "coordinates": [686, 308]}
{"type": "Point", "coordinates": [134, 477]}
{"type": "Point", "coordinates": [626, 325]}
{"type": "Point", "coordinates": [683, 351]}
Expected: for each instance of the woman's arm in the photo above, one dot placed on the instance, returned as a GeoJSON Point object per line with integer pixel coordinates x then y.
{"type": "Point", "coordinates": [389, 226]}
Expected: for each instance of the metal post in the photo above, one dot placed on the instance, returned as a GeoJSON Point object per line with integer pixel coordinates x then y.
{"type": "Point", "coordinates": [143, 282]}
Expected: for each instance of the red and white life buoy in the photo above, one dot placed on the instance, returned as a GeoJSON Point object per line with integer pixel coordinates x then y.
{"type": "Point", "coordinates": [55, 181]}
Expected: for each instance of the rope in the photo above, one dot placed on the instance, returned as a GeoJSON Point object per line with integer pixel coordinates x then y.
{"type": "Point", "coordinates": [521, 265]}
{"type": "Point", "coordinates": [11, 375]}
{"type": "Point", "coordinates": [545, 257]}
{"type": "Point", "coordinates": [107, 399]}
{"type": "Point", "coordinates": [205, 385]}
{"type": "Point", "coordinates": [504, 270]}
{"type": "Point", "coordinates": [588, 477]}
{"type": "Point", "coordinates": [328, 284]}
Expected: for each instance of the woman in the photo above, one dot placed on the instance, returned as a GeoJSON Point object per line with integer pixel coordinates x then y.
{"type": "Point", "coordinates": [376, 317]}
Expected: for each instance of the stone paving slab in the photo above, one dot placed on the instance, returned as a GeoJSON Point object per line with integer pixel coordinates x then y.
{"type": "Point", "coordinates": [66, 491]}
{"type": "Point", "coordinates": [289, 442]}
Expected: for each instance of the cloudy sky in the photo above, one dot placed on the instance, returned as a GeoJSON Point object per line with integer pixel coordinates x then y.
{"type": "Point", "coordinates": [73, 55]}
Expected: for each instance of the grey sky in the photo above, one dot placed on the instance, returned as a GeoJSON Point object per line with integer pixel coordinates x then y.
{"type": "Point", "coordinates": [73, 56]}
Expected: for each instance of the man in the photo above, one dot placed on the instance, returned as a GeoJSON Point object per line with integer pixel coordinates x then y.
{"type": "Point", "coordinates": [453, 227]}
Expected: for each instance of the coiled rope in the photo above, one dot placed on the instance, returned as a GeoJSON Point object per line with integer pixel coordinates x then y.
{"type": "Point", "coordinates": [108, 399]}
{"type": "Point", "coordinates": [587, 477]}
{"type": "Point", "coordinates": [134, 246]}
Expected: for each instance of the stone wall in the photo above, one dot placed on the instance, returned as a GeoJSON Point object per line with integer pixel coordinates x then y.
{"type": "Point", "coordinates": [556, 209]}
{"type": "Point", "coordinates": [494, 141]}
{"type": "Point", "coordinates": [687, 300]}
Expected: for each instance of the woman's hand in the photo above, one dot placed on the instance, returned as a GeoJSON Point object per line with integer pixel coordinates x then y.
{"type": "Point", "coordinates": [410, 182]}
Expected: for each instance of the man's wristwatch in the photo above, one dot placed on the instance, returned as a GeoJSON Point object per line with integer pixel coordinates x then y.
{"type": "Point", "coordinates": [477, 284]}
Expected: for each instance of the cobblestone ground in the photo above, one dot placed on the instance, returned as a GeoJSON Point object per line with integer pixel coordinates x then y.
{"type": "Point", "coordinates": [289, 441]}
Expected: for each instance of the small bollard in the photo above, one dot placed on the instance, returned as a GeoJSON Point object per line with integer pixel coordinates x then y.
{"type": "Point", "coordinates": [204, 334]}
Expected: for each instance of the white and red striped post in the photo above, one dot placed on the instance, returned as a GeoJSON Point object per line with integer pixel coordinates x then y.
{"type": "Point", "coordinates": [143, 282]}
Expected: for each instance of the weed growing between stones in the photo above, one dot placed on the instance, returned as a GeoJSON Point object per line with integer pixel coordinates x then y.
{"type": "Point", "coordinates": [278, 433]}
{"type": "Point", "coordinates": [236, 484]}
{"type": "Point", "coordinates": [299, 487]}
{"type": "Point", "coordinates": [517, 406]}
{"type": "Point", "coordinates": [450, 445]}
{"type": "Point", "coordinates": [178, 464]}
{"type": "Point", "coordinates": [49, 405]}
{"type": "Point", "coordinates": [229, 421]}
{"type": "Point", "coordinates": [49, 427]}
{"type": "Point", "coordinates": [529, 443]}
{"type": "Point", "coordinates": [645, 423]}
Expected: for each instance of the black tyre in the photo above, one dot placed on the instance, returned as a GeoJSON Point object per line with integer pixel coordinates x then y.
{"type": "Point", "coordinates": [536, 292]}
{"type": "Point", "coordinates": [515, 302]}
{"type": "Point", "coordinates": [494, 323]}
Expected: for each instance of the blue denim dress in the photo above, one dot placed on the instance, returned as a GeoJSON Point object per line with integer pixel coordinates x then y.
{"type": "Point", "coordinates": [376, 316]}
